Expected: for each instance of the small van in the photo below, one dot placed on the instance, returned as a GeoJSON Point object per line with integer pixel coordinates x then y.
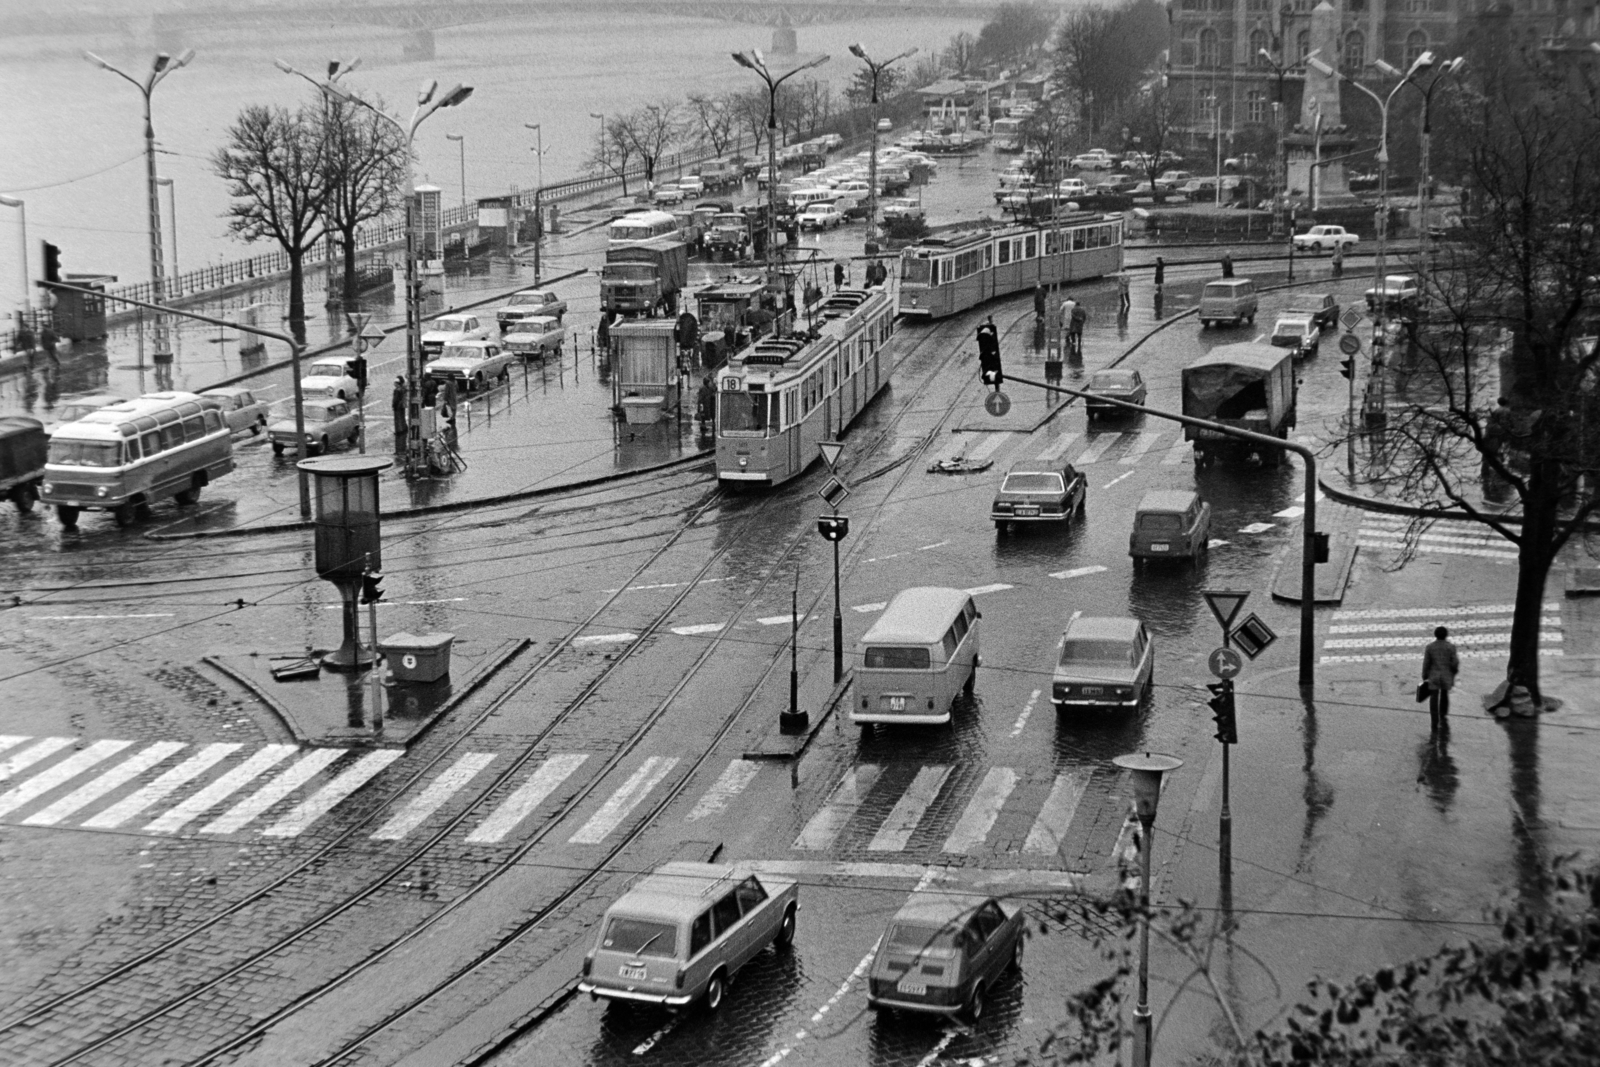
{"type": "Point", "coordinates": [801, 199]}
{"type": "Point", "coordinates": [1231, 300]}
{"type": "Point", "coordinates": [1170, 524]}
{"type": "Point", "coordinates": [920, 654]}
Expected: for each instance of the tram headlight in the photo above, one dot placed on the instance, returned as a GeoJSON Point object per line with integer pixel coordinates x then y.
{"type": "Point", "coordinates": [744, 461]}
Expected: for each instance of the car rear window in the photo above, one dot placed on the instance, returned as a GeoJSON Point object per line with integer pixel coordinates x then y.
{"type": "Point", "coordinates": [931, 940]}
{"type": "Point", "coordinates": [1159, 523]}
{"type": "Point", "coordinates": [1290, 329]}
{"type": "Point", "coordinates": [1032, 483]}
{"type": "Point", "coordinates": [641, 937]}
{"type": "Point", "coordinates": [1096, 650]}
{"type": "Point", "coordinates": [1110, 380]}
{"type": "Point", "coordinates": [898, 658]}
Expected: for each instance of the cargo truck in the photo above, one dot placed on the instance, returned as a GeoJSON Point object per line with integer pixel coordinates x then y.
{"type": "Point", "coordinates": [23, 444]}
{"type": "Point", "coordinates": [644, 278]}
{"type": "Point", "coordinates": [1247, 386]}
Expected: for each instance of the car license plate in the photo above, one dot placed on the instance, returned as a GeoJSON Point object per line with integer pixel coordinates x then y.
{"type": "Point", "coordinates": [1161, 546]}
{"type": "Point", "coordinates": [1092, 690]}
{"type": "Point", "coordinates": [638, 972]}
{"type": "Point", "coordinates": [1028, 509]}
{"type": "Point", "coordinates": [915, 989]}
{"type": "Point", "coordinates": [897, 703]}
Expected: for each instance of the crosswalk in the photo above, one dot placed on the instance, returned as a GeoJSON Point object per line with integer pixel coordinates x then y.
{"type": "Point", "coordinates": [1161, 447]}
{"type": "Point", "coordinates": [1479, 631]}
{"type": "Point", "coordinates": [1446, 537]}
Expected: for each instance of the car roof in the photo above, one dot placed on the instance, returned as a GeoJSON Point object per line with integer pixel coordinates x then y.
{"type": "Point", "coordinates": [938, 907]}
{"type": "Point", "coordinates": [677, 888]}
{"type": "Point", "coordinates": [907, 618]}
{"type": "Point", "coordinates": [1107, 627]}
{"type": "Point", "coordinates": [451, 318]}
{"type": "Point", "coordinates": [1167, 499]}
{"type": "Point", "coordinates": [1037, 468]}
{"type": "Point", "coordinates": [225, 391]}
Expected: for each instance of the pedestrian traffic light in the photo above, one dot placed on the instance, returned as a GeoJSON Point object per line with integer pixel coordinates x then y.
{"type": "Point", "coordinates": [1222, 711]}
{"type": "Point", "coordinates": [833, 527]}
{"type": "Point", "coordinates": [372, 587]}
{"type": "Point", "coordinates": [52, 262]}
{"type": "Point", "coordinates": [1347, 367]}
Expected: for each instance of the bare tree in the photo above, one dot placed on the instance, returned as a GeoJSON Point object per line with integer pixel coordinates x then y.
{"type": "Point", "coordinates": [363, 159]}
{"type": "Point", "coordinates": [715, 119]}
{"type": "Point", "coordinates": [273, 166]}
{"type": "Point", "coordinates": [961, 54]}
{"type": "Point", "coordinates": [1015, 33]}
{"type": "Point", "coordinates": [614, 149]}
{"type": "Point", "coordinates": [1151, 115]}
{"type": "Point", "coordinates": [654, 130]}
{"type": "Point", "coordinates": [1103, 55]}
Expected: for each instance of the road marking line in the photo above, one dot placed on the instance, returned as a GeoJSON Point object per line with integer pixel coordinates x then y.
{"type": "Point", "coordinates": [1443, 550]}
{"type": "Point", "coordinates": [1077, 572]}
{"type": "Point", "coordinates": [32, 754]}
{"type": "Point", "coordinates": [67, 618]}
{"type": "Point", "coordinates": [520, 804]}
{"type": "Point", "coordinates": [1289, 513]}
{"type": "Point", "coordinates": [782, 620]}
{"type": "Point", "coordinates": [1420, 640]}
{"type": "Point", "coordinates": [1118, 478]}
{"type": "Point", "coordinates": [1397, 657]}
{"type": "Point", "coordinates": [624, 800]}
{"type": "Point", "coordinates": [650, 1042]}
{"type": "Point", "coordinates": [936, 544]}
{"type": "Point", "coordinates": [260, 761]}
{"type": "Point", "coordinates": [59, 774]}
{"type": "Point", "coordinates": [1143, 444]}
{"type": "Point", "coordinates": [869, 608]}
{"type": "Point", "coordinates": [938, 1049]}
{"type": "Point", "coordinates": [1215, 542]}
{"type": "Point", "coordinates": [305, 768]}
{"type": "Point", "coordinates": [730, 784]}
{"type": "Point", "coordinates": [1177, 453]}
{"type": "Point", "coordinates": [840, 807]}
{"type": "Point", "coordinates": [323, 800]}
{"type": "Point", "coordinates": [433, 797]}
{"type": "Point", "coordinates": [1098, 444]}
{"type": "Point", "coordinates": [824, 872]}
{"type": "Point", "coordinates": [909, 810]}
{"type": "Point", "coordinates": [989, 446]}
{"type": "Point", "coordinates": [118, 776]}
{"type": "Point", "coordinates": [1050, 827]}
{"type": "Point", "coordinates": [1428, 613]}
{"type": "Point", "coordinates": [979, 590]}
{"type": "Point", "coordinates": [1058, 447]}
{"type": "Point", "coordinates": [162, 787]}
{"type": "Point", "coordinates": [11, 740]}
{"type": "Point", "coordinates": [698, 628]}
{"type": "Point", "coordinates": [1022, 720]}
{"type": "Point", "coordinates": [972, 829]}
{"type": "Point", "coordinates": [1256, 527]}
{"type": "Point", "coordinates": [605, 639]}
{"type": "Point", "coordinates": [1423, 625]}
{"type": "Point", "coordinates": [1440, 537]}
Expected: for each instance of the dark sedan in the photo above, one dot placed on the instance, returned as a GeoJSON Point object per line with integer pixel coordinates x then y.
{"type": "Point", "coordinates": [1323, 308]}
{"type": "Point", "coordinates": [1038, 492]}
{"type": "Point", "coordinates": [943, 952]}
{"type": "Point", "coordinates": [1125, 385]}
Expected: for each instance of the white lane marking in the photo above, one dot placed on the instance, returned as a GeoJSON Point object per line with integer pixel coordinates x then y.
{"type": "Point", "coordinates": [431, 799]}
{"type": "Point", "coordinates": [59, 774]}
{"type": "Point", "coordinates": [1027, 710]}
{"type": "Point", "coordinates": [520, 804]}
{"type": "Point", "coordinates": [698, 628]}
{"type": "Point", "coordinates": [654, 1039]}
{"type": "Point", "coordinates": [12, 740]}
{"type": "Point", "coordinates": [260, 761]}
{"type": "Point", "coordinates": [908, 811]}
{"type": "Point", "coordinates": [1177, 453]}
{"type": "Point", "coordinates": [624, 800]}
{"type": "Point", "coordinates": [1216, 542]}
{"type": "Point", "coordinates": [730, 784]}
{"type": "Point", "coordinates": [1396, 657]}
{"type": "Point", "coordinates": [318, 804]}
{"type": "Point", "coordinates": [74, 618]}
{"type": "Point", "coordinates": [1142, 444]}
{"type": "Point", "coordinates": [979, 590]}
{"type": "Point", "coordinates": [989, 445]}
{"type": "Point", "coordinates": [831, 872]}
{"type": "Point", "coordinates": [18, 761]}
{"type": "Point", "coordinates": [1428, 613]}
{"type": "Point", "coordinates": [1077, 572]}
{"type": "Point", "coordinates": [1050, 827]}
{"type": "Point", "coordinates": [158, 790]}
{"type": "Point", "coordinates": [844, 988]}
{"type": "Point", "coordinates": [1098, 444]}
{"type": "Point", "coordinates": [305, 768]}
{"type": "Point", "coordinates": [1293, 512]}
{"type": "Point", "coordinates": [892, 555]}
{"type": "Point", "coordinates": [1419, 640]}
{"type": "Point", "coordinates": [605, 639]}
{"type": "Point", "coordinates": [1256, 527]}
{"type": "Point", "coordinates": [669, 585]}
{"type": "Point", "coordinates": [1423, 625]}
{"type": "Point", "coordinates": [1446, 537]}
{"type": "Point", "coordinates": [983, 809]}
{"type": "Point", "coordinates": [867, 609]}
{"type": "Point", "coordinates": [936, 544]}
{"type": "Point", "coordinates": [841, 805]}
{"type": "Point", "coordinates": [1117, 479]}
{"type": "Point", "coordinates": [118, 776]}
{"type": "Point", "coordinates": [1301, 498]}
{"type": "Point", "coordinates": [938, 1049]}
{"type": "Point", "coordinates": [400, 603]}
{"type": "Point", "coordinates": [782, 620]}
{"type": "Point", "coordinates": [1058, 447]}
{"type": "Point", "coordinates": [1443, 550]}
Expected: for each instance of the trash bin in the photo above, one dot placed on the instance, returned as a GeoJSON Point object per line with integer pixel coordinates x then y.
{"type": "Point", "coordinates": [417, 657]}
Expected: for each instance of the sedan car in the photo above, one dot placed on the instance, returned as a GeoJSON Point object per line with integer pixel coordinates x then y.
{"type": "Point", "coordinates": [471, 363]}
{"type": "Point", "coordinates": [900, 208]}
{"type": "Point", "coordinates": [1324, 239]}
{"type": "Point", "coordinates": [535, 337]}
{"type": "Point", "coordinates": [72, 408]}
{"type": "Point", "coordinates": [1116, 183]}
{"type": "Point", "coordinates": [1124, 385]}
{"type": "Point", "coordinates": [823, 216]}
{"type": "Point", "coordinates": [529, 302]}
{"type": "Point", "coordinates": [1094, 159]}
{"type": "Point", "coordinates": [446, 328]}
{"type": "Point", "coordinates": [332, 376]}
{"type": "Point", "coordinates": [692, 185]}
{"type": "Point", "coordinates": [1323, 308]}
{"type": "Point", "coordinates": [1297, 330]}
{"type": "Point", "coordinates": [240, 409]}
{"type": "Point", "coordinates": [667, 194]}
{"type": "Point", "coordinates": [943, 952]}
{"type": "Point", "coordinates": [1037, 492]}
{"type": "Point", "coordinates": [1105, 662]}
{"type": "Point", "coordinates": [328, 420]}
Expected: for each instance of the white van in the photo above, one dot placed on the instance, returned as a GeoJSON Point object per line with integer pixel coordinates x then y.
{"type": "Point", "coordinates": [801, 199]}
{"type": "Point", "coordinates": [916, 658]}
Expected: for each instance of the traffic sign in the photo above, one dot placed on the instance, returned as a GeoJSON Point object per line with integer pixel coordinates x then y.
{"type": "Point", "coordinates": [1352, 316]}
{"type": "Point", "coordinates": [833, 493]}
{"type": "Point", "coordinates": [1350, 344]}
{"type": "Point", "coordinates": [830, 452]}
{"type": "Point", "coordinates": [1253, 636]}
{"type": "Point", "coordinates": [1225, 663]}
{"type": "Point", "coordinates": [1225, 604]}
{"type": "Point", "coordinates": [997, 403]}
{"type": "Point", "coordinates": [371, 336]}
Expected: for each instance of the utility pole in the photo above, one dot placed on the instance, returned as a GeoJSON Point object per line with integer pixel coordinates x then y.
{"type": "Point", "coordinates": [876, 70]}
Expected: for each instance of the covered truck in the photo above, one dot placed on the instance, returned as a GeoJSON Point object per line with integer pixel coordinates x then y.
{"type": "Point", "coordinates": [643, 278]}
{"type": "Point", "coordinates": [1248, 386]}
{"type": "Point", "coordinates": [23, 444]}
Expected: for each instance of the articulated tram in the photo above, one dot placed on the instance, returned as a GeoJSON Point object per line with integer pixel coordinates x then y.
{"type": "Point", "coordinates": [781, 395]}
{"type": "Point", "coordinates": [954, 271]}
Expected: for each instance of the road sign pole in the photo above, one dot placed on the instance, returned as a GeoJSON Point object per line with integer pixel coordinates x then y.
{"type": "Point", "coordinates": [838, 622]}
{"type": "Point", "coordinates": [1225, 605]}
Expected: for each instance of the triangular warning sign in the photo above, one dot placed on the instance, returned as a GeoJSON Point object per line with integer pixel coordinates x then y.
{"type": "Point", "coordinates": [1225, 604]}
{"type": "Point", "coordinates": [830, 452]}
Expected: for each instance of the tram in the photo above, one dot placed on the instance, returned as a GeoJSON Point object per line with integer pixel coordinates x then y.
{"type": "Point", "coordinates": [954, 271]}
{"type": "Point", "coordinates": [779, 396]}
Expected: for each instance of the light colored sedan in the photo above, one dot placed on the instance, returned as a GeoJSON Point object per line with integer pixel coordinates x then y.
{"type": "Point", "coordinates": [1104, 662]}
{"type": "Point", "coordinates": [821, 217]}
{"type": "Point", "coordinates": [456, 327]}
{"type": "Point", "coordinates": [240, 409]}
{"type": "Point", "coordinates": [329, 420]}
{"type": "Point", "coordinates": [472, 363]}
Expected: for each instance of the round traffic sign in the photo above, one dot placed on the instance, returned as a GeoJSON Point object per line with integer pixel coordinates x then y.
{"type": "Point", "coordinates": [1349, 344]}
{"type": "Point", "coordinates": [997, 403]}
{"type": "Point", "coordinates": [1225, 663]}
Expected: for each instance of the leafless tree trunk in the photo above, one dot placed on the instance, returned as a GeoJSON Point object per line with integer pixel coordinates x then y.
{"type": "Point", "coordinates": [363, 159]}
{"type": "Point", "coordinates": [654, 129]}
{"type": "Point", "coordinates": [614, 149]}
{"type": "Point", "coordinates": [716, 117]}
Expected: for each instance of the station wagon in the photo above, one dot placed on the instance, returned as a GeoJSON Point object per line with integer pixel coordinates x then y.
{"type": "Point", "coordinates": [1170, 524]}
{"type": "Point", "coordinates": [240, 409]}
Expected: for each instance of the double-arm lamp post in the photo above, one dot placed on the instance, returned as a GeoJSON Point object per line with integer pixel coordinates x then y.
{"type": "Point", "coordinates": [877, 70]}
{"type": "Point", "coordinates": [752, 60]}
{"type": "Point", "coordinates": [1449, 67]}
{"type": "Point", "coordinates": [337, 68]}
{"type": "Point", "coordinates": [1280, 113]}
{"type": "Point", "coordinates": [538, 194]}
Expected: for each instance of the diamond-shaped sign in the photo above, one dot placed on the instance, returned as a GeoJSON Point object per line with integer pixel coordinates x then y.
{"type": "Point", "coordinates": [1352, 316]}
{"type": "Point", "coordinates": [830, 452]}
{"type": "Point", "coordinates": [1225, 604]}
{"type": "Point", "coordinates": [833, 493]}
{"type": "Point", "coordinates": [1253, 636]}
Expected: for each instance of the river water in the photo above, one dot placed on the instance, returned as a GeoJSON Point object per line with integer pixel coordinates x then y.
{"type": "Point", "coordinates": [73, 133]}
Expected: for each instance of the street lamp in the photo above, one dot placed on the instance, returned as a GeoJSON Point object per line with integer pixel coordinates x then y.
{"type": "Point", "coordinates": [1450, 67]}
{"type": "Point", "coordinates": [601, 117]}
{"type": "Point", "coordinates": [163, 65]}
{"type": "Point", "coordinates": [538, 196]}
{"type": "Point", "coordinates": [752, 60]}
{"type": "Point", "coordinates": [22, 247]}
{"type": "Point", "coordinates": [877, 70]}
{"type": "Point", "coordinates": [429, 100]}
{"type": "Point", "coordinates": [461, 141]}
{"type": "Point", "coordinates": [1146, 771]}
{"type": "Point", "coordinates": [172, 215]}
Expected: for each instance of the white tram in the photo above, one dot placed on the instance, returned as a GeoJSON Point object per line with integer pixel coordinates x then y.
{"type": "Point", "coordinates": [779, 396]}
{"type": "Point", "coordinates": [951, 272]}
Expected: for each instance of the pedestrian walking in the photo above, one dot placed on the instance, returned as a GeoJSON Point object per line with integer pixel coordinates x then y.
{"type": "Point", "coordinates": [687, 333]}
{"type": "Point", "coordinates": [1124, 292]}
{"type": "Point", "coordinates": [602, 333]}
{"type": "Point", "coordinates": [48, 340]}
{"type": "Point", "coordinates": [1338, 260]}
{"type": "Point", "coordinates": [1080, 316]}
{"type": "Point", "coordinates": [1039, 299]}
{"type": "Point", "coordinates": [1161, 276]}
{"type": "Point", "coordinates": [1069, 308]}
{"type": "Point", "coordinates": [22, 340]}
{"type": "Point", "coordinates": [430, 391]}
{"type": "Point", "coordinates": [1440, 665]}
{"type": "Point", "coordinates": [398, 404]}
{"type": "Point", "coordinates": [1227, 265]}
{"type": "Point", "coordinates": [706, 402]}
{"type": "Point", "coordinates": [838, 275]}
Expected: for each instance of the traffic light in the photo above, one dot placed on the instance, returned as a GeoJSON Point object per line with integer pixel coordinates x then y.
{"type": "Point", "coordinates": [1347, 366]}
{"type": "Point", "coordinates": [358, 371]}
{"type": "Point", "coordinates": [372, 587]}
{"type": "Point", "coordinates": [1222, 711]}
{"type": "Point", "coordinates": [833, 527]}
{"type": "Point", "coordinates": [1319, 547]}
{"type": "Point", "coordinates": [52, 262]}
{"type": "Point", "coordinates": [989, 364]}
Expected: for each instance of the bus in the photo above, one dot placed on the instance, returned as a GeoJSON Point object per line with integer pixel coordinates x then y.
{"type": "Point", "coordinates": [1007, 135]}
{"type": "Point", "coordinates": [644, 225]}
{"type": "Point", "coordinates": [125, 456]}
{"type": "Point", "coordinates": [954, 271]}
{"type": "Point", "coordinates": [779, 396]}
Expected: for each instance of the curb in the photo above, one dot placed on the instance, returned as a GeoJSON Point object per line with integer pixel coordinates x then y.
{"type": "Point", "coordinates": [780, 746]}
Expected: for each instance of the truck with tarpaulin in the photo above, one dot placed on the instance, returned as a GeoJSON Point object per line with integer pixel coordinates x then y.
{"type": "Point", "coordinates": [1246, 386]}
{"type": "Point", "coordinates": [644, 278]}
{"type": "Point", "coordinates": [23, 445]}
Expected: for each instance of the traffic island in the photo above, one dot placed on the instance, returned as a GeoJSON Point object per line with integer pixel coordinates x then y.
{"type": "Point", "coordinates": [769, 740]}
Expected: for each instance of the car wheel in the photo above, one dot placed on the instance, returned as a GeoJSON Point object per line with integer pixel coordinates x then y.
{"type": "Point", "coordinates": [1016, 955]}
{"type": "Point", "coordinates": [477, 382]}
{"type": "Point", "coordinates": [974, 1006]}
{"type": "Point", "coordinates": [785, 936]}
{"type": "Point", "coordinates": [277, 448]}
{"type": "Point", "coordinates": [716, 989]}
{"type": "Point", "coordinates": [866, 731]}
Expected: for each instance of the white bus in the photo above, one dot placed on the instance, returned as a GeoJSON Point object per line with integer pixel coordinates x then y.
{"type": "Point", "coordinates": [125, 456]}
{"type": "Point", "coordinates": [639, 226]}
{"type": "Point", "coordinates": [1007, 135]}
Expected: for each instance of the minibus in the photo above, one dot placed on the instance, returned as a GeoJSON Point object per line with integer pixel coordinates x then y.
{"type": "Point", "coordinates": [920, 654]}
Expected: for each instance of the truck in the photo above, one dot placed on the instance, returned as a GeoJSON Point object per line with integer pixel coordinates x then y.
{"type": "Point", "coordinates": [644, 278]}
{"type": "Point", "coordinates": [1249, 386]}
{"type": "Point", "coordinates": [23, 445]}
{"type": "Point", "coordinates": [721, 174]}
{"type": "Point", "coordinates": [729, 236]}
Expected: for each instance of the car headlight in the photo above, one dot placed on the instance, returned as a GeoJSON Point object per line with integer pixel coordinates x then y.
{"type": "Point", "coordinates": [101, 490]}
{"type": "Point", "coordinates": [48, 487]}
{"type": "Point", "coordinates": [331, 390]}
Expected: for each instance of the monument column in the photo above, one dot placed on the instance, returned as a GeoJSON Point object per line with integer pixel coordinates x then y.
{"type": "Point", "coordinates": [1320, 96]}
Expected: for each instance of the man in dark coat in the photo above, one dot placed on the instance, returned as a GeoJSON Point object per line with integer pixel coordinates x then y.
{"type": "Point", "coordinates": [397, 404]}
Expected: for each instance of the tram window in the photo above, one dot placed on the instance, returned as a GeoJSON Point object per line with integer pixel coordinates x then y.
{"type": "Point", "coordinates": [988, 257]}
{"type": "Point", "coordinates": [1052, 243]}
{"type": "Point", "coordinates": [1032, 245]}
{"type": "Point", "coordinates": [914, 271]}
{"type": "Point", "coordinates": [1005, 252]}
{"type": "Point", "coordinates": [1077, 240]}
{"type": "Point", "coordinates": [745, 411]}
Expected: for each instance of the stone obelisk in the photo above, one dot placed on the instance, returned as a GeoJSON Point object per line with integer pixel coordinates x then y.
{"type": "Point", "coordinates": [1320, 133]}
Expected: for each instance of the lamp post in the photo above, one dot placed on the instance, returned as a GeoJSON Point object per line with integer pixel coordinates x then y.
{"type": "Point", "coordinates": [461, 142]}
{"type": "Point", "coordinates": [1449, 67]}
{"type": "Point", "coordinates": [172, 216]}
{"type": "Point", "coordinates": [877, 70]}
{"type": "Point", "coordinates": [22, 248]}
{"type": "Point", "coordinates": [538, 194]}
{"type": "Point", "coordinates": [429, 100]}
{"type": "Point", "coordinates": [1278, 113]}
{"type": "Point", "coordinates": [601, 117]}
{"type": "Point", "coordinates": [348, 542]}
{"type": "Point", "coordinates": [1146, 771]}
{"type": "Point", "coordinates": [163, 65]}
{"type": "Point", "coordinates": [752, 60]}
